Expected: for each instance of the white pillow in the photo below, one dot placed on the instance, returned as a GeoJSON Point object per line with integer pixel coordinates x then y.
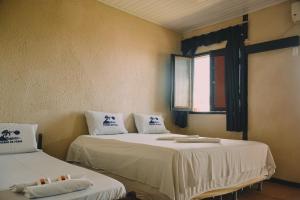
{"type": "Point", "coordinates": [17, 138]}
{"type": "Point", "coordinates": [102, 123]}
{"type": "Point", "coordinates": [150, 123]}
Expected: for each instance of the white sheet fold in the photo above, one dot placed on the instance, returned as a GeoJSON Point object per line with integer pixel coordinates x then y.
{"type": "Point", "coordinates": [198, 140]}
{"type": "Point", "coordinates": [176, 137]}
{"type": "Point", "coordinates": [56, 188]}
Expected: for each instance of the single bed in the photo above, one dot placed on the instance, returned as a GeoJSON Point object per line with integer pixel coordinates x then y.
{"type": "Point", "coordinates": [27, 167]}
{"type": "Point", "coordinates": [180, 171]}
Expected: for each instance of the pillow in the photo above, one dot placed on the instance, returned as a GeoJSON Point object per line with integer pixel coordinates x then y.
{"type": "Point", "coordinates": [150, 123]}
{"type": "Point", "coordinates": [17, 138]}
{"type": "Point", "coordinates": [102, 123]}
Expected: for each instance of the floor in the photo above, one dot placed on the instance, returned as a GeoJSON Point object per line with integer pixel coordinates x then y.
{"type": "Point", "coordinates": [271, 191]}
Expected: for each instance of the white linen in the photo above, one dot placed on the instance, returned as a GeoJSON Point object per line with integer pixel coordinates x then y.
{"type": "Point", "coordinates": [101, 123]}
{"type": "Point", "coordinates": [176, 137]}
{"type": "Point", "coordinates": [149, 123]}
{"type": "Point", "coordinates": [26, 167]}
{"type": "Point", "coordinates": [179, 170]}
{"type": "Point", "coordinates": [57, 188]}
{"type": "Point", "coordinates": [198, 140]}
{"type": "Point", "coordinates": [17, 138]}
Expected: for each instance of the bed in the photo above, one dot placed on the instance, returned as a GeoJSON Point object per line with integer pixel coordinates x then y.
{"type": "Point", "coordinates": [26, 167]}
{"type": "Point", "coordinates": [180, 171]}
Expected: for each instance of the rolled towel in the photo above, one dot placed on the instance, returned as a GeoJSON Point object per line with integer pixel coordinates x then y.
{"type": "Point", "coordinates": [198, 140]}
{"type": "Point", "coordinates": [20, 187]}
{"type": "Point", "coordinates": [176, 137]}
{"type": "Point", "coordinates": [56, 188]}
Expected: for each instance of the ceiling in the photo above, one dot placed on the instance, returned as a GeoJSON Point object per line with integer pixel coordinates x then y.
{"type": "Point", "coordinates": [186, 15]}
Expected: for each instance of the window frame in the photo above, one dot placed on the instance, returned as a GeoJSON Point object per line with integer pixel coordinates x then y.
{"type": "Point", "coordinates": [173, 108]}
{"type": "Point", "coordinates": [213, 109]}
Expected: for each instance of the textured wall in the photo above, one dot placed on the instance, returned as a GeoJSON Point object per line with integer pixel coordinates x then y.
{"type": "Point", "coordinates": [274, 83]}
{"type": "Point", "coordinates": [59, 58]}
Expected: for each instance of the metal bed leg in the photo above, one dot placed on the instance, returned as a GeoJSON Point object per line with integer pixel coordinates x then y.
{"type": "Point", "coordinates": [235, 195]}
{"type": "Point", "coordinates": [260, 186]}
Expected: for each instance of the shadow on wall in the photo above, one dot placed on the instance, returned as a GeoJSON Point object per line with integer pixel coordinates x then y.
{"type": "Point", "coordinates": [129, 123]}
{"type": "Point", "coordinates": [61, 131]}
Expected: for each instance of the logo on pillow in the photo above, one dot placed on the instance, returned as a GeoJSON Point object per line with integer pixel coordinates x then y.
{"type": "Point", "coordinates": [110, 121]}
{"type": "Point", "coordinates": [10, 137]}
{"type": "Point", "coordinates": [154, 121]}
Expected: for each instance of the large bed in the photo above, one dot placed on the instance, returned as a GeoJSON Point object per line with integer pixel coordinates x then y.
{"type": "Point", "coordinates": [180, 171]}
{"type": "Point", "coordinates": [27, 167]}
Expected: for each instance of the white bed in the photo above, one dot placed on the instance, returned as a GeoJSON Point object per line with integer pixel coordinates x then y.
{"type": "Point", "coordinates": [178, 170]}
{"type": "Point", "coordinates": [27, 167]}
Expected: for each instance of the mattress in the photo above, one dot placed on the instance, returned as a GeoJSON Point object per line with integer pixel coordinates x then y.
{"type": "Point", "coordinates": [178, 170]}
{"type": "Point", "coordinates": [27, 167]}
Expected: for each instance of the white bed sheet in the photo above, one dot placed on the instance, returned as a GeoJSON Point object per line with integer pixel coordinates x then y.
{"type": "Point", "coordinates": [179, 170]}
{"type": "Point", "coordinates": [27, 167]}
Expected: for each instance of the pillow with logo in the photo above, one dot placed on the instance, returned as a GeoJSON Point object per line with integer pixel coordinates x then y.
{"type": "Point", "coordinates": [150, 123]}
{"type": "Point", "coordinates": [102, 123]}
{"type": "Point", "coordinates": [17, 138]}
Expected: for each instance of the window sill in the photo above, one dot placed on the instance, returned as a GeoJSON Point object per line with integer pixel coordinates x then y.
{"type": "Point", "coordinates": [211, 112]}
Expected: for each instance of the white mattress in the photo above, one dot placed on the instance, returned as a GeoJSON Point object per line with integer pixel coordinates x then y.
{"type": "Point", "coordinates": [27, 167]}
{"type": "Point", "coordinates": [179, 170]}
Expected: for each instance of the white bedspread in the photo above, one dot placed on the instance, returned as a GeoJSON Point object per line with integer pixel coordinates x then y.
{"type": "Point", "coordinates": [179, 170]}
{"type": "Point", "coordinates": [27, 167]}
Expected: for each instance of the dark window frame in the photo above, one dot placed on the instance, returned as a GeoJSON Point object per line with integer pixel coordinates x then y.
{"type": "Point", "coordinates": [213, 108]}
{"type": "Point", "coordinates": [213, 54]}
{"type": "Point", "coordinates": [293, 41]}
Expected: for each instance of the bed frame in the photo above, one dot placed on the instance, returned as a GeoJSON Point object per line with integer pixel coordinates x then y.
{"type": "Point", "coordinates": [146, 192]}
{"type": "Point", "coordinates": [234, 190]}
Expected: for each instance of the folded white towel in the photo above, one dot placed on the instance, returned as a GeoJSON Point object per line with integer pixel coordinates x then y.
{"type": "Point", "coordinates": [176, 137]}
{"type": "Point", "coordinates": [198, 140]}
{"type": "Point", "coordinates": [20, 187]}
{"type": "Point", "coordinates": [56, 188]}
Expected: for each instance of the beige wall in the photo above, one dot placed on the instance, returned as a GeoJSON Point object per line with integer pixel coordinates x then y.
{"type": "Point", "coordinates": [60, 58]}
{"type": "Point", "coordinates": [274, 83]}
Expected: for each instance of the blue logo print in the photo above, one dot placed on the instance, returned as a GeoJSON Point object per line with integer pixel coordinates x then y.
{"type": "Point", "coordinates": [109, 121]}
{"type": "Point", "coordinates": [154, 121]}
{"type": "Point", "coordinates": [10, 137]}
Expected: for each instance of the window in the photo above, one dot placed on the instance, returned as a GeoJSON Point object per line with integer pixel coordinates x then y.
{"type": "Point", "coordinates": [199, 82]}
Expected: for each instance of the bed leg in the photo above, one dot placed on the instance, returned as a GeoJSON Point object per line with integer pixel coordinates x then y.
{"type": "Point", "coordinates": [260, 186]}
{"type": "Point", "coordinates": [235, 195]}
